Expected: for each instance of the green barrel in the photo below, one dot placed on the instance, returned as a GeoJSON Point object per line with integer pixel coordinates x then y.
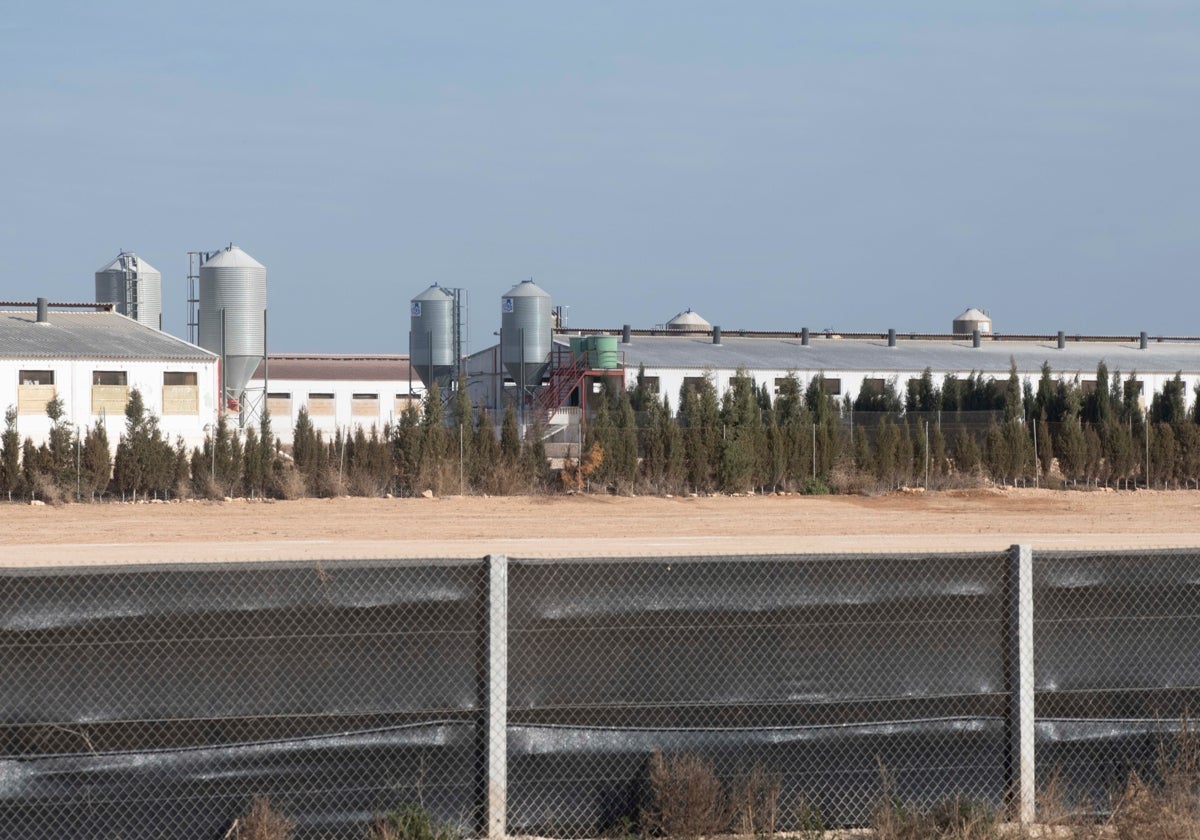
{"type": "Point", "coordinates": [605, 356]}
{"type": "Point", "coordinates": [577, 347]}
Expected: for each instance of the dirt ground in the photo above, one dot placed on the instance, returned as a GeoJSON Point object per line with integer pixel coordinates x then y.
{"type": "Point", "coordinates": [591, 526]}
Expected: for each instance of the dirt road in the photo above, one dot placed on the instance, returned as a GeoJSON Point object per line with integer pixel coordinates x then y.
{"type": "Point", "coordinates": [582, 526]}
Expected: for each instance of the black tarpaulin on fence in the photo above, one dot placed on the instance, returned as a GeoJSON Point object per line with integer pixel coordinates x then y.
{"type": "Point", "coordinates": [156, 702]}
{"type": "Point", "coordinates": [830, 670]}
{"type": "Point", "coordinates": [1117, 659]}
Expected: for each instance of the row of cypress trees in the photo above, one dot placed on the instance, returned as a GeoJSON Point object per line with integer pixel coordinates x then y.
{"type": "Point", "coordinates": [747, 440]}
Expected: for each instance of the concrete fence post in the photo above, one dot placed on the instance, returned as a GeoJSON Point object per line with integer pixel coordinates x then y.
{"type": "Point", "coordinates": [497, 697]}
{"type": "Point", "coordinates": [1021, 770]}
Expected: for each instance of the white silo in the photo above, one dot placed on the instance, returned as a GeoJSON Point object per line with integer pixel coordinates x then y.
{"type": "Point", "coordinates": [134, 286]}
{"type": "Point", "coordinates": [525, 333]}
{"type": "Point", "coordinates": [688, 321]}
{"type": "Point", "coordinates": [971, 320]}
{"type": "Point", "coordinates": [432, 348]}
{"type": "Point", "coordinates": [233, 310]}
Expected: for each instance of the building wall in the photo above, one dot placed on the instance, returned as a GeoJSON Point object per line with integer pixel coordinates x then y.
{"type": "Point", "coordinates": [340, 408]}
{"type": "Point", "coordinates": [671, 379]}
{"type": "Point", "coordinates": [85, 404]}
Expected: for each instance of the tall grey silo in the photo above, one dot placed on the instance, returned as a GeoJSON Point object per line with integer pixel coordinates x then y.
{"type": "Point", "coordinates": [432, 348]}
{"type": "Point", "coordinates": [134, 286]}
{"type": "Point", "coordinates": [233, 307]}
{"type": "Point", "coordinates": [525, 333]}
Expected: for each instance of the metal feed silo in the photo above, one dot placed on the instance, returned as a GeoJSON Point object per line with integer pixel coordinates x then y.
{"type": "Point", "coordinates": [971, 320]}
{"type": "Point", "coordinates": [134, 286]}
{"type": "Point", "coordinates": [525, 333]}
{"type": "Point", "coordinates": [233, 306]}
{"type": "Point", "coordinates": [431, 338]}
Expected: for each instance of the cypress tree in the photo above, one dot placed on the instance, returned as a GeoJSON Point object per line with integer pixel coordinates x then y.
{"type": "Point", "coordinates": [11, 480]}
{"type": "Point", "coordinates": [624, 456]}
{"type": "Point", "coordinates": [887, 445]}
{"type": "Point", "coordinates": [510, 437]}
{"type": "Point", "coordinates": [674, 469]}
{"type": "Point", "coordinates": [966, 452]}
{"type": "Point", "coordinates": [407, 437]}
{"type": "Point", "coordinates": [938, 462]}
{"type": "Point", "coordinates": [95, 461]}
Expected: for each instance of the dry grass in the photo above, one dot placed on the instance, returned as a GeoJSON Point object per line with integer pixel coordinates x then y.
{"type": "Point", "coordinates": [262, 821]}
{"type": "Point", "coordinates": [755, 802]}
{"type": "Point", "coordinates": [686, 798]}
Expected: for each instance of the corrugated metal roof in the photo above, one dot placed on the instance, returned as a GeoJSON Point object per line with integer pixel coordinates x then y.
{"type": "Point", "coordinates": [305, 366]}
{"type": "Point", "coordinates": [89, 335]}
{"type": "Point", "coordinates": [872, 355]}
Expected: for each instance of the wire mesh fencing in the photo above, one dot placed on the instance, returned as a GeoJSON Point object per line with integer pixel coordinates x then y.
{"type": "Point", "coordinates": [827, 679]}
{"type": "Point", "coordinates": [157, 702]}
{"type": "Point", "coordinates": [574, 698]}
{"type": "Point", "coordinates": [1117, 646]}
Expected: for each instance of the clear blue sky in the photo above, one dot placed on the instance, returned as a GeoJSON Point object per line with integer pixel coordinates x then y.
{"type": "Point", "coordinates": [770, 164]}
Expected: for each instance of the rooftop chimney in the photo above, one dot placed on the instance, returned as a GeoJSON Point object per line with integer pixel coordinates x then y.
{"type": "Point", "coordinates": [43, 311]}
{"type": "Point", "coordinates": [716, 335]}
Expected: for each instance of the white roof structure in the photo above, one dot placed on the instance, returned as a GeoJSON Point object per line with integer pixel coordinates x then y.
{"type": "Point", "coordinates": [688, 320]}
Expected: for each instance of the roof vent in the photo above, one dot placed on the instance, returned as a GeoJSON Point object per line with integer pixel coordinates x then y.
{"type": "Point", "coordinates": [1062, 339]}
{"type": "Point", "coordinates": [43, 311]}
{"type": "Point", "coordinates": [1144, 340]}
{"type": "Point", "coordinates": [804, 337]}
{"type": "Point", "coordinates": [975, 338]}
{"type": "Point", "coordinates": [716, 335]}
{"type": "Point", "coordinates": [891, 338]}
{"type": "Point", "coordinates": [626, 334]}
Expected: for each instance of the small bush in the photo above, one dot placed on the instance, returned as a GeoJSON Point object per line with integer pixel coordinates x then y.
{"type": "Point", "coordinates": [686, 799]}
{"type": "Point", "coordinates": [755, 802]}
{"type": "Point", "coordinates": [814, 487]}
{"type": "Point", "coordinates": [410, 822]}
{"type": "Point", "coordinates": [262, 821]}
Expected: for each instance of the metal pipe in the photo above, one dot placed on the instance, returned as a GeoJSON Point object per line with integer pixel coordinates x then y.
{"type": "Point", "coordinates": [974, 338]}
{"type": "Point", "coordinates": [891, 338]}
{"type": "Point", "coordinates": [1062, 339]}
{"type": "Point", "coordinates": [716, 335]}
{"type": "Point", "coordinates": [43, 311]}
{"type": "Point", "coordinates": [804, 337]}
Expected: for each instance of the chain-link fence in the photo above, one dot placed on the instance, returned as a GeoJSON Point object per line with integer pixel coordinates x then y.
{"type": "Point", "coordinates": [533, 696]}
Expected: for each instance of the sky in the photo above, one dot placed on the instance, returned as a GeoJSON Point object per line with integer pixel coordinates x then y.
{"type": "Point", "coordinates": [771, 165]}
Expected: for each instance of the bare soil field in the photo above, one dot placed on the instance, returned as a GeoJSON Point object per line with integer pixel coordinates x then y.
{"type": "Point", "coordinates": [593, 526]}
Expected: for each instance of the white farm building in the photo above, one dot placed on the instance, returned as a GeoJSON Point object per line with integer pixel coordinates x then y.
{"type": "Point", "coordinates": [339, 391]}
{"type": "Point", "coordinates": [92, 358]}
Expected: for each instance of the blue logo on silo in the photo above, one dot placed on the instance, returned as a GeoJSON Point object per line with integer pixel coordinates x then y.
{"type": "Point", "coordinates": [416, 309]}
{"type": "Point", "coordinates": [506, 305]}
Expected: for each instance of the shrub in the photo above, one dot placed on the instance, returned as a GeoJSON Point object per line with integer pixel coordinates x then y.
{"type": "Point", "coordinates": [262, 821]}
{"type": "Point", "coordinates": [686, 799]}
{"type": "Point", "coordinates": [410, 822]}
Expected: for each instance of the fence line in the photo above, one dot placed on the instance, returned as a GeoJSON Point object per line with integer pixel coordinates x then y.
{"type": "Point", "coordinates": [509, 696]}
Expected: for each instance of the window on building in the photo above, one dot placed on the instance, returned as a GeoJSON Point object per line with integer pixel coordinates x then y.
{"type": "Point", "coordinates": [181, 394]}
{"type": "Point", "coordinates": [279, 404]}
{"type": "Point", "coordinates": [872, 385]}
{"type": "Point", "coordinates": [402, 402]}
{"type": "Point", "coordinates": [321, 404]}
{"type": "Point", "coordinates": [833, 387]}
{"type": "Point", "coordinates": [651, 383]}
{"type": "Point", "coordinates": [36, 377]}
{"type": "Point", "coordinates": [1087, 386]}
{"type": "Point", "coordinates": [110, 377]}
{"type": "Point", "coordinates": [694, 382]}
{"type": "Point", "coordinates": [110, 391]}
{"type": "Point", "coordinates": [364, 405]}
{"type": "Point", "coordinates": [35, 388]}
